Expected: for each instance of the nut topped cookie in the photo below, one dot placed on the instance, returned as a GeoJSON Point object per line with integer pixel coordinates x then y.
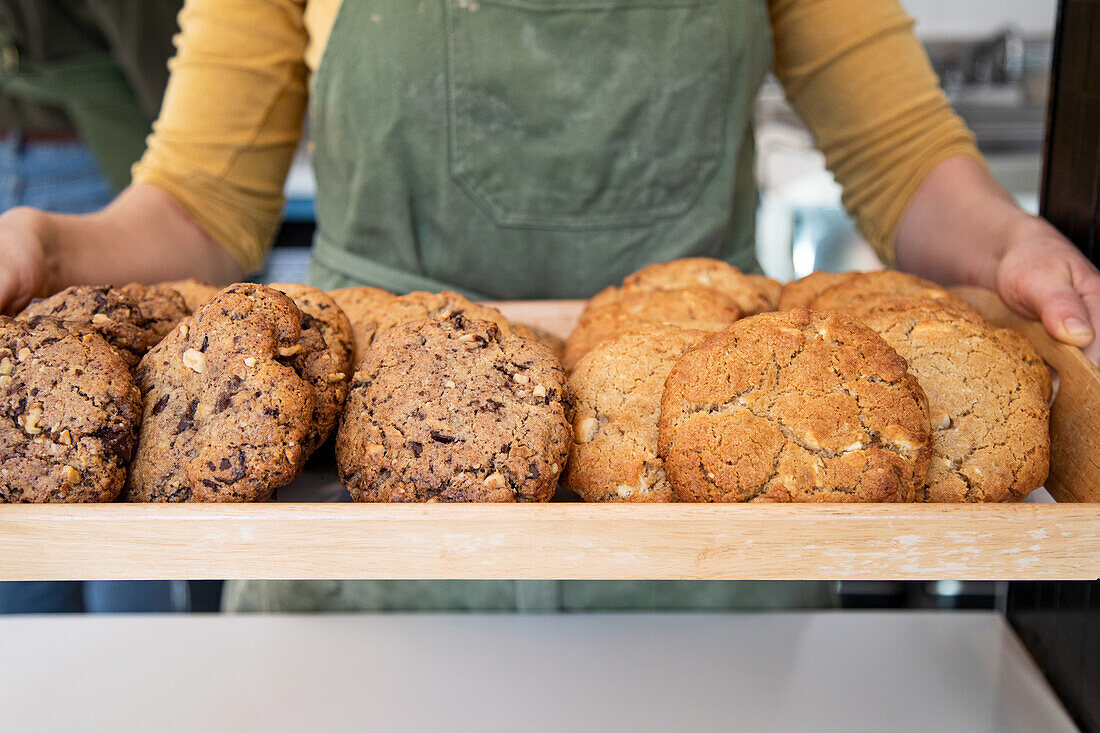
{"type": "Point", "coordinates": [110, 312]}
{"type": "Point", "coordinates": [988, 405]}
{"type": "Point", "coordinates": [794, 406]}
{"type": "Point", "coordinates": [617, 390]}
{"type": "Point", "coordinates": [226, 414]}
{"type": "Point", "coordinates": [698, 308]}
{"type": "Point", "coordinates": [325, 357]}
{"type": "Point", "coordinates": [162, 308]}
{"type": "Point", "coordinates": [454, 409]}
{"type": "Point", "coordinates": [70, 413]}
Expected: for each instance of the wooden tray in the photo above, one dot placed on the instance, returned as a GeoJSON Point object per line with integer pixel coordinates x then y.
{"type": "Point", "coordinates": [573, 540]}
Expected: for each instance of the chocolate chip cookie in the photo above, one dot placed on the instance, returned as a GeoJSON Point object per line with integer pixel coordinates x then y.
{"type": "Point", "coordinates": [110, 312]}
{"type": "Point", "coordinates": [226, 413]}
{"type": "Point", "coordinates": [794, 406]}
{"type": "Point", "coordinates": [325, 358]}
{"type": "Point", "coordinates": [988, 407]}
{"type": "Point", "coordinates": [453, 409]}
{"type": "Point", "coordinates": [70, 413]}
{"type": "Point", "coordinates": [698, 308]}
{"type": "Point", "coordinates": [162, 308]}
{"type": "Point", "coordinates": [617, 389]}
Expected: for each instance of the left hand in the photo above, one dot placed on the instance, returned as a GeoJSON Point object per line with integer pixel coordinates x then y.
{"type": "Point", "coordinates": [1042, 275]}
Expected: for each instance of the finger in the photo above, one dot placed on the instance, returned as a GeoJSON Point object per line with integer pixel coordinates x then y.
{"type": "Point", "coordinates": [9, 290]}
{"type": "Point", "coordinates": [1050, 294]}
{"type": "Point", "coordinates": [1090, 295]}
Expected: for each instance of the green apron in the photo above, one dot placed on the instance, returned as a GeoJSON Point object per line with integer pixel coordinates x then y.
{"type": "Point", "coordinates": [532, 149]}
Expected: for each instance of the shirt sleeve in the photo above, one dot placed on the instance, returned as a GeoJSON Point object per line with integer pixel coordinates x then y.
{"type": "Point", "coordinates": [861, 81]}
{"type": "Point", "coordinates": [231, 119]}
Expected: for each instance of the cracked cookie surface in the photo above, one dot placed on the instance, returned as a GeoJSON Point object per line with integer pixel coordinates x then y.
{"type": "Point", "coordinates": [110, 312]}
{"type": "Point", "coordinates": [225, 412]}
{"type": "Point", "coordinates": [617, 390]}
{"type": "Point", "coordinates": [697, 308]}
{"type": "Point", "coordinates": [454, 409]}
{"type": "Point", "coordinates": [794, 406]}
{"type": "Point", "coordinates": [70, 413]}
{"type": "Point", "coordinates": [752, 293]}
{"type": "Point", "coordinates": [325, 358]}
{"type": "Point", "coordinates": [987, 403]}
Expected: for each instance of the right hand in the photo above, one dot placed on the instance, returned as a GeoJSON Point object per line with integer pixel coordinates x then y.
{"type": "Point", "coordinates": [23, 267]}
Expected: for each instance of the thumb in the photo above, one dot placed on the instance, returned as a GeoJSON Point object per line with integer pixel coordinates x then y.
{"type": "Point", "coordinates": [1048, 292]}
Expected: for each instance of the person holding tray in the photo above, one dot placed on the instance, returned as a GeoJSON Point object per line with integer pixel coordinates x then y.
{"type": "Point", "coordinates": [542, 149]}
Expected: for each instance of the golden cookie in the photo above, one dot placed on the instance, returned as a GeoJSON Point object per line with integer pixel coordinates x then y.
{"type": "Point", "coordinates": [697, 308]}
{"type": "Point", "coordinates": [987, 403]}
{"type": "Point", "coordinates": [617, 390]}
{"type": "Point", "coordinates": [794, 406]}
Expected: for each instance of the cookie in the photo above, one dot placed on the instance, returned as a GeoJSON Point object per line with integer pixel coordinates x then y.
{"type": "Point", "coordinates": [325, 359]}
{"type": "Point", "coordinates": [110, 312]}
{"type": "Point", "coordinates": [752, 293]}
{"type": "Point", "coordinates": [226, 414]}
{"type": "Point", "coordinates": [194, 292]}
{"type": "Point", "coordinates": [362, 306]}
{"type": "Point", "coordinates": [867, 291]}
{"type": "Point", "coordinates": [617, 391]}
{"type": "Point", "coordinates": [802, 292]}
{"type": "Point", "coordinates": [989, 412]}
{"type": "Point", "coordinates": [453, 409]}
{"type": "Point", "coordinates": [162, 308]}
{"type": "Point", "coordinates": [794, 406]}
{"type": "Point", "coordinates": [70, 413]}
{"type": "Point", "coordinates": [552, 342]}
{"type": "Point", "coordinates": [698, 308]}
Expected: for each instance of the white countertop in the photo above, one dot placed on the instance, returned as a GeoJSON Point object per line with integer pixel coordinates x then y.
{"type": "Point", "coordinates": [851, 671]}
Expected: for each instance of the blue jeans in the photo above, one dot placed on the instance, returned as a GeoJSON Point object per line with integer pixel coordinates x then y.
{"type": "Point", "coordinates": [64, 177]}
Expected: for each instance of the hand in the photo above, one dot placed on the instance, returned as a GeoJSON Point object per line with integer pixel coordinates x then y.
{"type": "Point", "coordinates": [22, 258]}
{"type": "Point", "coordinates": [1042, 275]}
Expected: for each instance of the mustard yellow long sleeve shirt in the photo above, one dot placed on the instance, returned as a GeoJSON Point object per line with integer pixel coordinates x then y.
{"type": "Point", "coordinates": [232, 114]}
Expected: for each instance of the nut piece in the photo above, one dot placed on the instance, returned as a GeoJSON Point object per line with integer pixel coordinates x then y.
{"type": "Point", "coordinates": [183, 330]}
{"type": "Point", "coordinates": [66, 438]}
{"type": "Point", "coordinates": [586, 429]}
{"type": "Point", "coordinates": [5, 366]}
{"type": "Point", "coordinates": [250, 361]}
{"type": "Point", "coordinates": [494, 481]}
{"type": "Point", "coordinates": [539, 391]}
{"type": "Point", "coordinates": [289, 350]}
{"type": "Point", "coordinates": [449, 384]}
{"type": "Point", "coordinates": [30, 421]}
{"type": "Point", "coordinates": [24, 353]}
{"type": "Point", "coordinates": [72, 475]}
{"type": "Point", "coordinates": [99, 319]}
{"type": "Point", "coordinates": [520, 378]}
{"type": "Point", "coordinates": [194, 360]}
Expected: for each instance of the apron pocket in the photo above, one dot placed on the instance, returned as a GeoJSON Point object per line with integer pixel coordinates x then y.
{"type": "Point", "coordinates": [585, 113]}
